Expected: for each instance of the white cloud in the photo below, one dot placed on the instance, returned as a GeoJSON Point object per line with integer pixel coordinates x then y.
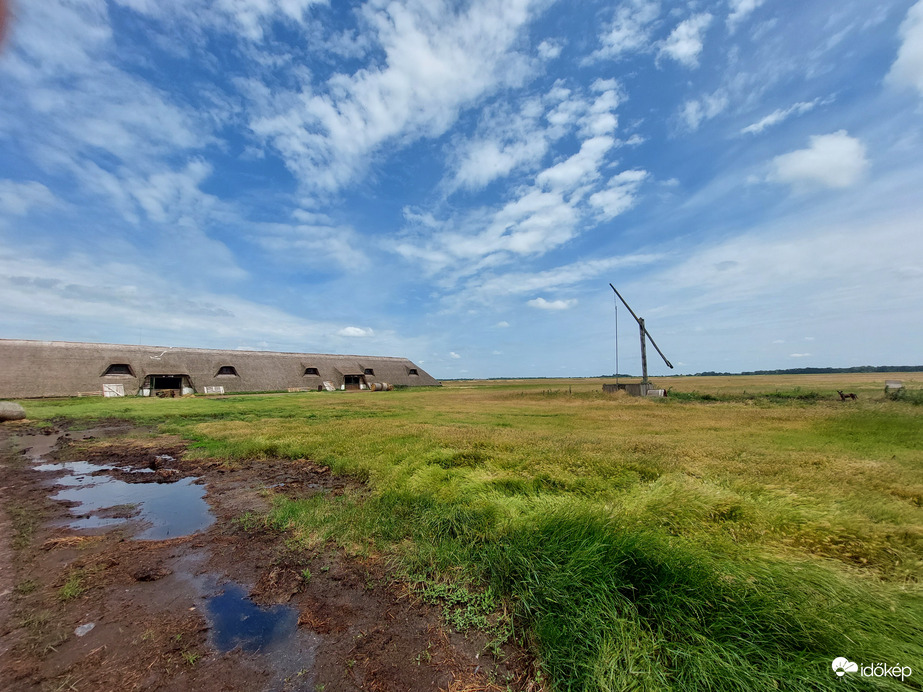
{"type": "Point", "coordinates": [489, 288]}
{"type": "Point", "coordinates": [780, 114]}
{"type": "Point", "coordinates": [503, 324]}
{"type": "Point", "coordinates": [629, 31]}
{"type": "Point", "coordinates": [798, 355]}
{"type": "Point", "coordinates": [684, 44]}
{"type": "Point", "coordinates": [534, 223]}
{"type": "Point", "coordinates": [312, 245]}
{"type": "Point", "coordinates": [740, 10]}
{"type": "Point", "coordinates": [620, 194]}
{"type": "Point", "coordinates": [510, 139]}
{"type": "Point", "coordinates": [75, 107]}
{"type": "Point", "coordinates": [800, 261]}
{"type": "Point", "coordinates": [436, 60]}
{"type": "Point", "coordinates": [244, 17]}
{"type": "Point", "coordinates": [485, 160]}
{"type": "Point", "coordinates": [79, 102]}
{"type": "Point", "coordinates": [540, 217]}
{"type": "Point", "coordinates": [907, 69]}
{"type": "Point", "coordinates": [549, 50]}
{"type": "Point", "coordinates": [600, 118]}
{"type": "Point", "coordinates": [694, 113]}
{"type": "Point", "coordinates": [579, 168]}
{"type": "Point", "coordinates": [166, 194]}
{"type": "Point", "coordinates": [834, 160]}
{"type": "Point", "coordinates": [87, 294]}
{"type": "Point", "coordinates": [356, 332]}
{"type": "Point", "coordinates": [543, 304]}
{"type": "Point", "coordinates": [17, 198]}
{"type": "Point", "coordinates": [454, 355]}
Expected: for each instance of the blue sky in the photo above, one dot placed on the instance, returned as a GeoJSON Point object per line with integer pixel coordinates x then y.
{"type": "Point", "coordinates": [458, 182]}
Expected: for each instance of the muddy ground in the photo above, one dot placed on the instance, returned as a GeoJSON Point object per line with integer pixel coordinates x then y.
{"type": "Point", "coordinates": [98, 609]}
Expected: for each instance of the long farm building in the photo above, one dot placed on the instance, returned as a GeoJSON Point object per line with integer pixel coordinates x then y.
{"type": "Point", "coordinates": [30, 369]}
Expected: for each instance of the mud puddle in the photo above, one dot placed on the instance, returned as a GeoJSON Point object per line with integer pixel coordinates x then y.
{"type": "Point", "coordinates": [104, 597]}
{"type": "Point", "coordinates": [238, 621]}
{"type": "Point", "coordinates": [167, 510]}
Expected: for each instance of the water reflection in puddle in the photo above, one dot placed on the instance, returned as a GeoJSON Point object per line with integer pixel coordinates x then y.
{"type": "Point", "coordinates": [238, 621]}
{"type": "Point", "coordinates": [169, 509]}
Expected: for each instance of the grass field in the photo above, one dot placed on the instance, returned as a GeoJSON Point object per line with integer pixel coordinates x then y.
{"type": "Point", "coordinates": [738, 535]}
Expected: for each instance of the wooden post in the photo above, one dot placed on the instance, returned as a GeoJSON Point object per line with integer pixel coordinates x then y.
{"type": "Point", "coordinates": [643, 353]}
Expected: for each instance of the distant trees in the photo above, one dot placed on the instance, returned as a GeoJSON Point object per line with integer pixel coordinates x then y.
{"type": "Point", "coordinates": [820, 371]}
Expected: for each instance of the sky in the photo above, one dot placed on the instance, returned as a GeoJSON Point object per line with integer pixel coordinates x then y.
{"type": "Point", "coordinates": [458, 181]}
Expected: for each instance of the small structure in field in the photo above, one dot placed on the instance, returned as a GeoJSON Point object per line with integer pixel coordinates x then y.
{"type": "Point", "coordinates": [634, 389]}
{"type": "Point", "coordinates": [642, 388]}
{"type": "Point", "coordinates": [891, 386]}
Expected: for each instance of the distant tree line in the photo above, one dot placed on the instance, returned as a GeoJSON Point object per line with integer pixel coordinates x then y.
{"type": "Point", "coordinates": [820, 371]}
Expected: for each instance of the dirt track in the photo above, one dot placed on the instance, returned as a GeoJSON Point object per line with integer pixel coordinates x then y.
{"type": "Point", "coordinates": [154, 604]}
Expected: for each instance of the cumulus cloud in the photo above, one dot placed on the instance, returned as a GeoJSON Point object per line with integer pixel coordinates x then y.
{"type": "Point", "coordinates": [907, 69]}
{"type": "Point", "coordinates": [454, 355]}
{"type": "Point", "coordinates": [685, 44]}
{"type": "Point", "coordinates": [509, 139]}
{"type": "Point", "coordinates": [835, 160]}
{"type": "Point", "coordinates": [534, 223]}
{"type": "Point", "coordinates": [694, 112]}
{"type": "Point", "coordinates": [549, 50]}
{"type": "Point", "coordinates": [629, 31]}
{"type": "Point", "coordinates": [620, 194]}
{"type": "Point", "coordinates": [506, 140]}
{"type": "Point", "coordinates": [503, 324]}
{"type": "Point", "coordinates": [581, 167]}
{"type": "Point", "coordinates": [18, 198]}
{"type": "Point", "coordinates": [543, 304]}
{"type": "Point", "coordinates": [740, 10]}
{"type": "Point", "coordinates": [541, 216]}
{"type": "Point", "coordinates": [356, 332]}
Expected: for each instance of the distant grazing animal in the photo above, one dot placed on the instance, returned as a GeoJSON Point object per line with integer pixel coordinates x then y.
{"type": "Point", "coordinates": [844, 397]}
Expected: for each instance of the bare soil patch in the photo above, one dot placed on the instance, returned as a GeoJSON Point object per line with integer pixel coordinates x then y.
{"type": "Point", "coordinates": [149, 601]}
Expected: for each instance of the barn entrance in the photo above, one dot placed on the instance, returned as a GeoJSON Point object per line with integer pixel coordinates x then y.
{"type": "Point", "coordinates": [166, 385]}
{"type": "Point", "coordinates": [353, 382]}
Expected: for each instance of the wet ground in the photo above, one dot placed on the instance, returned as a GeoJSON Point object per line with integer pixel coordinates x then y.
{"type": "Point", "coordinates": [124, 566]}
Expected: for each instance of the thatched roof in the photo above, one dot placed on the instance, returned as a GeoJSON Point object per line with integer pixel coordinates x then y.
{"type": "Point", "coordinates": [63, 368]}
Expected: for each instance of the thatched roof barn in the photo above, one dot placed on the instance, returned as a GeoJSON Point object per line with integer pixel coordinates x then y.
{"type": "Point", "coordinates": [62, 368]}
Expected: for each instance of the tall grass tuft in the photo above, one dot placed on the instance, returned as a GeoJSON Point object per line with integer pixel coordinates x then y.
{"type": "Point", "coordinates": [612, 608]}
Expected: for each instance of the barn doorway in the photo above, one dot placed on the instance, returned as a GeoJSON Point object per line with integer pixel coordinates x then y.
{"type": "Point", "coordinates": [167, 385]}
{"type": "Point", "coordinates": [352, 382]}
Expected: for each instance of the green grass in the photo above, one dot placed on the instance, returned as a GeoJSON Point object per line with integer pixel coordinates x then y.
{"type": "Point", "coordinates": [738, 535]}
{"type": "Point", "coordinates": [73, 587]}
{"type": "Point", "coordinates": [191, 657]}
